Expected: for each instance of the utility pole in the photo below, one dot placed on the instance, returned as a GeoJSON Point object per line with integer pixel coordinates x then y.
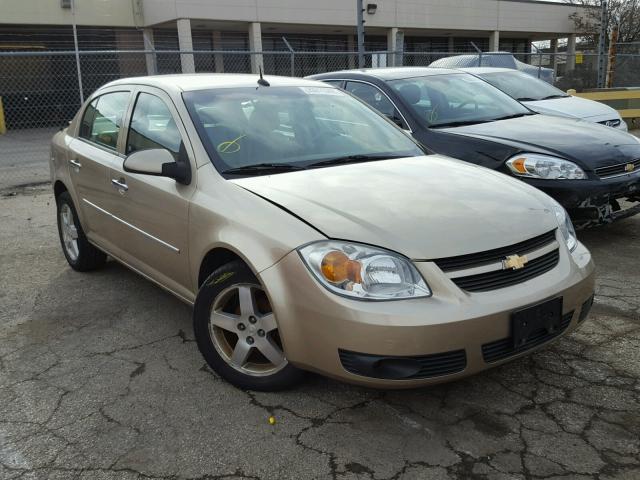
{"type": "Point", "coordinates": [602, 44]}
{"type": "Point", "coordinates": [360, 27]}
{"type": "Point", "coordinates": [75, 43]}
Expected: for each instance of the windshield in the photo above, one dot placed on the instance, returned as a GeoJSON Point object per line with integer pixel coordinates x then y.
{"type": "Point", "coordinates": [455, 99]}
{"type": "Point", "coordinates": [521, 86]}
{"type": "Point", "coordinates": [292, 127]}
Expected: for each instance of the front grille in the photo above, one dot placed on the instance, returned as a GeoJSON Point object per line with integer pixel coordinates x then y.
{"type": "Point", "coordinates": [619, 169]}
{"type": "Point", "coordinates": [496, 255]}
{"type": "Point", "coordinates": [404, 368]}
{"type": "Point", "coordinates": [501, 349]}
{"type": "Point", "coordinates": [505, 278]}
{"type": "Point", "coordinates": [611, 123]}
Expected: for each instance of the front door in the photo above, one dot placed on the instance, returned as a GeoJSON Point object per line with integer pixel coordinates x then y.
{"type": "Point", "coordinates": [154, 210]}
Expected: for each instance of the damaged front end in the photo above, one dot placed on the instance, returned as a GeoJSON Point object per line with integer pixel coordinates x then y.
{"type": "Point", "coordinates": [595, 211]}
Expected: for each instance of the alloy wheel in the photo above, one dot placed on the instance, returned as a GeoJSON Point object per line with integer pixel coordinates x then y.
{"type": "Point", "coordinates": [244, 331]}
{"type": "Point", "coordinates": [69, 232]}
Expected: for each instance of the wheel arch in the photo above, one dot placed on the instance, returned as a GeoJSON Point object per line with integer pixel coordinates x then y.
{"type": "Point", "coordinates": [217, 257]}
{"type": "Point", "coordinates": [58, 188]}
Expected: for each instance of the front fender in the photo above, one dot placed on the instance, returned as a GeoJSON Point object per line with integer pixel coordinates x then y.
{"type": "Point", "coordinates": [225, 215]}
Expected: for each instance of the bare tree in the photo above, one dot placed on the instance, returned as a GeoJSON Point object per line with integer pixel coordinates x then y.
{"type": "Point", "coordinates": [623, 13]}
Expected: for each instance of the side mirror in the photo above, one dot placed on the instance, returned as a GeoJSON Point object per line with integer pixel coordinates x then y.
{"type": "Point", "coordinates": [158, 162]}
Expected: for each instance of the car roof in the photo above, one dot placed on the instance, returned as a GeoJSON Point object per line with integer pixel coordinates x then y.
{"type": "Point", "coordinates": [481, 70]}
{"type": "Point", "coordinates": [201, 81]}
{"type": "Point", "coordinates": [390, 73]}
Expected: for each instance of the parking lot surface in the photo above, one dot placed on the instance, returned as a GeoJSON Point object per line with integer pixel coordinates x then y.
{"type": "Point", "coordinates": [100, 379]}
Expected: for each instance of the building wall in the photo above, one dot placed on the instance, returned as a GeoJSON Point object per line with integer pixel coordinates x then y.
{"type": "Point", "coordinates": [513, 16]}
{"type": "Point", "coordinates": [113, 13]}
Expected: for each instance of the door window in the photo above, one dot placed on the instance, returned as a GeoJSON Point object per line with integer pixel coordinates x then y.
{"type": "Point", "coordinates": [374, 97]}
{"type": "Point", "coordinates": [152, 126]}
{"type": "Point", "coordinates": [102, 119]}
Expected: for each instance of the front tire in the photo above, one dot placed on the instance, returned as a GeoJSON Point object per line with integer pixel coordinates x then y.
{"type": "Point", "coordinates": [237, 332]}
{"type": "Point", "coordinates": [80, 254]}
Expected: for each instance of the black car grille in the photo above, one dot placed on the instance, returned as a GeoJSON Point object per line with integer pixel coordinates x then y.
{"type": "Point", "coordinates": [504, 348]}
{"type": "Point", "coordinates": [404, 368]}
{"type": "Point", "coordinates": [619, 169]}
{"type": "Point", "coordinates": [505, 278]}
{"type": "Point", "coordinates": [611, 123]}
{"type": "Point", "coordinates": [498, 254]}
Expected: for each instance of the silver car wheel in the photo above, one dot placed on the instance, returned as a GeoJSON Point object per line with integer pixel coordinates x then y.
{"type": "Point", "coordinates": [69, 232]}
{"type": "Point", "coordinates": [244, 331]}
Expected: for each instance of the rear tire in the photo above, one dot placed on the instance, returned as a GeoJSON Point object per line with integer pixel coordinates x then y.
{"type": "Point", "coordinates": [80, 254]}
{"type": "Point", "coordinates": [237, 332]}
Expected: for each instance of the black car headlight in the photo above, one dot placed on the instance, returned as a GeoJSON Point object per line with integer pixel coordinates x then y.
{"type": "Point", "coordinates": [535, 165]}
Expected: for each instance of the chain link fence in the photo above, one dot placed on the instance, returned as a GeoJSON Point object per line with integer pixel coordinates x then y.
{"type": "Point", "coordinates": [41, 91]}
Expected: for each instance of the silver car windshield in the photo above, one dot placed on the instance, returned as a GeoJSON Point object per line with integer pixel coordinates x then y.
{"type": "Point", "coordinates": [456, 99]}
{"type": "Point", "coordinates": [521, 86]}
{"type": "Point", "coordinates": [297, 127]}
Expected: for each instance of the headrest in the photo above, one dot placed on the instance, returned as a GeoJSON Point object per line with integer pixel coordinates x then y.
{"type": "Point", "coordinates": [411, 93]}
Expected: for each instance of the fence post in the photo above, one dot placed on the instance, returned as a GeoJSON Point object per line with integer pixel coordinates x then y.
{"type": "Point", "coordinates": [292, 56]}
{"type": "Point", "coordinates": [360, 30]}
{"type": "Point", "coordinates": [479, 53]}
{"type": "Point", "coordinates": [150, 58]}
{"type": "Point", "coordinates": [539, 63]}
{"type": "Point", "coordinates": [75, 43]}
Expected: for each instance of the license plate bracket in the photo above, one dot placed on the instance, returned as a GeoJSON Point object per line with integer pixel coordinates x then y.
{"type": "Point", "coordinates": [545, 316]}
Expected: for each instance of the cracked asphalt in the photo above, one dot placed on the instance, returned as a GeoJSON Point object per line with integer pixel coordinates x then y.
{"type": "Point", "coordinates": [100, 379]}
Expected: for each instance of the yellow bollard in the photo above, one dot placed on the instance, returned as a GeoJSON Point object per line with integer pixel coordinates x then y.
{"type": "Point", "coordinates": [3, 125]}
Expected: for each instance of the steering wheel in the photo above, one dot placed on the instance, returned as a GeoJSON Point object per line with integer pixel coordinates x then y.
{"type": "Point", "coordinates": [467, 102]}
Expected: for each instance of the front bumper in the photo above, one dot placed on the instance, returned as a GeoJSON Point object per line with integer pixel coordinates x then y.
{"type": "Point", "coordinates": [594, 201]}
{"type": "Point", "coordinates": [317, 327]}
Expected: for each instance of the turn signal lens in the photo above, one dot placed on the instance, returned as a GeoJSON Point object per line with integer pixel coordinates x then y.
{"type": "Point", "coordinates": [518, 165]}
{"type": "Point", "coordinates": [337, 267]}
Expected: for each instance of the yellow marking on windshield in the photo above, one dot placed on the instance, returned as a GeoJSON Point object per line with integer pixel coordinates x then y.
{"type": "Point", "coordinates": [230, 146]}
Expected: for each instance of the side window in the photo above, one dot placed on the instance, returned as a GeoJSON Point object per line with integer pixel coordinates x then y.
{"type": "Point", "coordinates": [102, 119]}
{"type": "Point", "coordinates": [335, 83]}
{"type": "Point", "coordinates": [152, 126]}
{"type": "Point", "coordinates": [375, 98]}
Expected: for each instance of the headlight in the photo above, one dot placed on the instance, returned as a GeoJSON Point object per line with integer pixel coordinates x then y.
{"type": "Point", "coordinates": [566, 227]}
{"type": "Point", "coordinates": [534, 165]}
{"type": "Point", "coordinates": [363, 272]}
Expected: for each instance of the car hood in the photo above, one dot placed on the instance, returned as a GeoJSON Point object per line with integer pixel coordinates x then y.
{"type": "Point", "coordinates": [574, 107]}
{"type": "Point", "coordinates": [423, 207]}
{"type": "Point", "coordinates": [588, 144]}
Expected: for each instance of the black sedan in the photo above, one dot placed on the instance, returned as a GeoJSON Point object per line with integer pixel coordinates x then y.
{"type": "Point", "coordinates": [592, 170]}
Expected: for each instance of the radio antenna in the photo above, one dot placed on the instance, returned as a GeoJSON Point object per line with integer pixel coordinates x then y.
{"type": "Point", "coordinates": [262, 81]}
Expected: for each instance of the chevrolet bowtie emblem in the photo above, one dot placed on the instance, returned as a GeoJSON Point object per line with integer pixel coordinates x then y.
{"type": "Point", "coordinates": [514, 262]}
{"type": "Point", "coordinates": [629, 167]}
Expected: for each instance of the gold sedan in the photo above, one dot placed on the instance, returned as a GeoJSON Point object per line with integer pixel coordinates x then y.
{"type": "Point", "coordinates": [310, 233]}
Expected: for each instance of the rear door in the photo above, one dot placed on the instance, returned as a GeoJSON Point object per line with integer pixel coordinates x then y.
{"type": "Point", "coordinates": [154, 210]}
{"type": "Point", "coordinates": [91, 154]}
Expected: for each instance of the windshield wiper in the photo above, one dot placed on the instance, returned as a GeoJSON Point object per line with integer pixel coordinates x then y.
{"type": "Point", "coordinates": [557, 95]}
{"type": "Point", "coordinates": [353, 159]}
{"type": "Point", "coordinates": [527, 99]}
{"type": "Point", "coordinates": [459, 123]}
{"type": "Point", "coordinates": [515, 115]}
{"type": "Point", "coordinates": [263, 168]}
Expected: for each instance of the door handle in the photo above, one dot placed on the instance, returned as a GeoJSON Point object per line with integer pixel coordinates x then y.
{"type": "Point", "coordinates": [120, 185]}
{"type": "Point", "coordinates": [75, 163]}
